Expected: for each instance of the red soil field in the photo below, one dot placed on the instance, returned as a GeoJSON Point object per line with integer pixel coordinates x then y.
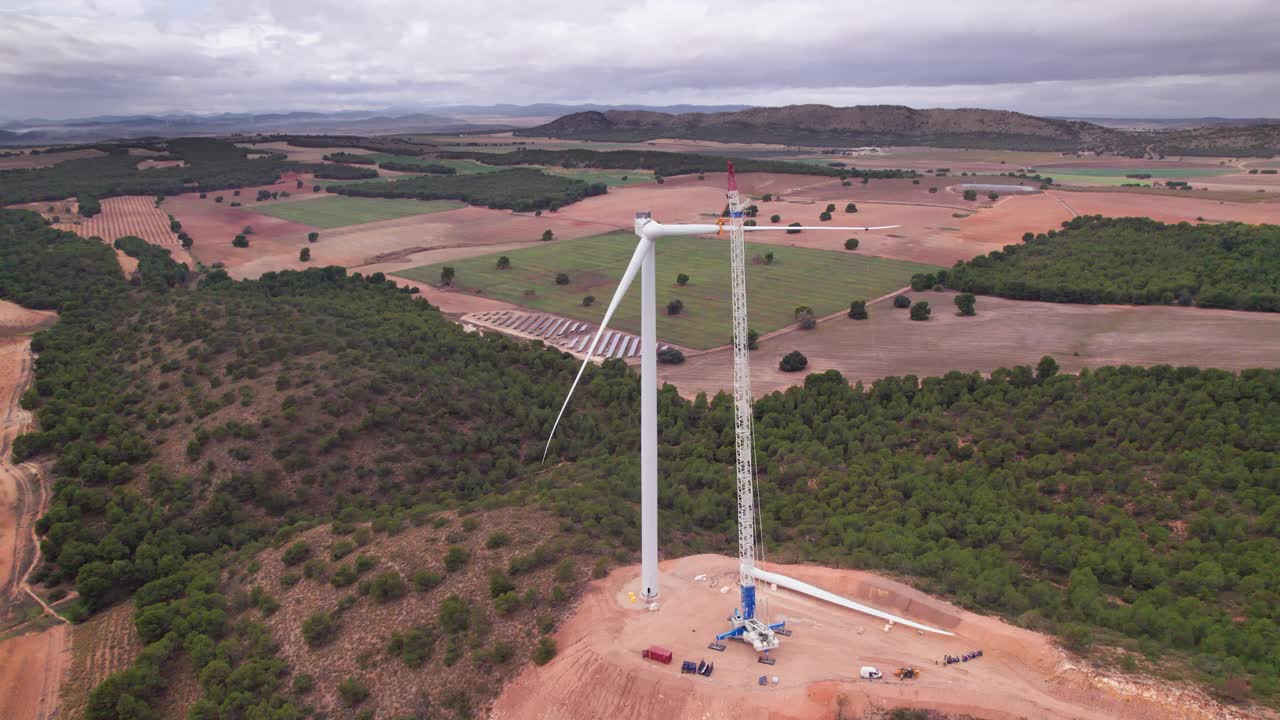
{"type": "Point", "coordinates": [1002, 334]}
{"type": "Point", "coordinates": [599, 672]}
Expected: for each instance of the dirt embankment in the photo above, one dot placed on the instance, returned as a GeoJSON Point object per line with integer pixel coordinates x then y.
{"type": "Point", "coordinates": [32, 661]}
{"type": "Point", "coordinates": [599, 671]}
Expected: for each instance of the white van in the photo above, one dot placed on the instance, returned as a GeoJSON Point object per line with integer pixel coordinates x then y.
{"type": "Point", "coordinates": [870, 673]}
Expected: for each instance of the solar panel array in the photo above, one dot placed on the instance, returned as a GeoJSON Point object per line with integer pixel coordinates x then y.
{"type": "Point", "coordinates": [572, 335]}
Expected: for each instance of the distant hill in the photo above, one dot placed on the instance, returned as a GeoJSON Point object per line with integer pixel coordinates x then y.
{"type": "Point", "coordinates": [823, 125]}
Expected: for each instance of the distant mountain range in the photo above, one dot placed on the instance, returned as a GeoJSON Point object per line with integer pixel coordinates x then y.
{"type": "Point", "coordinates": [806, 125]}
{"type": "Point", "coordinates": [453, 118]}
{"type": "Point", "coordinates": [823, 125]}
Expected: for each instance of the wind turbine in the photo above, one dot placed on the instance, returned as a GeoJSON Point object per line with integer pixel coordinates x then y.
{"type": "Point", "coordinates": [745, 624]}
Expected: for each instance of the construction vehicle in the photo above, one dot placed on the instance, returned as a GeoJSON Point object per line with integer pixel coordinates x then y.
{"type": "Point", "coordinates": [907, 673]}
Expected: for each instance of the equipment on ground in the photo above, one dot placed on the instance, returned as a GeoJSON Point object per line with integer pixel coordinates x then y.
{"type": "Point", "coordinates": [764, 680]}
{"type": "Point", "coordinates": [688, 666]}
{"type": "Point", "coordinates": [717, 646]}
{"type": "Point", "coordinates": [659, 654]}
{"type": "Point", "coordinates": [868, 672]}
{"type": "Point", "coordinates": [907, 673]}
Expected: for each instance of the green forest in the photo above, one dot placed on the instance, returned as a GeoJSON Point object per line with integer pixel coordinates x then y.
{"type": "Point", "coordinates": [661, 163]}
{"type": "Point", "coordinates": [520, 189]}
{"type": "Point", "coordinates": [1134, 260]}
{"type": "Point", "coordinates": [1123, 505]}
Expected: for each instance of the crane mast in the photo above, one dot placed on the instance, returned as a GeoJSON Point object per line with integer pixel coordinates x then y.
{"type": "Point", "coordinates": [744, 623]}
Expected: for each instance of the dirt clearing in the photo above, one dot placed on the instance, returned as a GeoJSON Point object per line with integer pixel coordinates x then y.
{"type": "Point", "coordinates": [1002, 334]}
{"type": "Point", "coordinates": [599, 672]}
{"type": "Point", "coordinates": [32, 665]}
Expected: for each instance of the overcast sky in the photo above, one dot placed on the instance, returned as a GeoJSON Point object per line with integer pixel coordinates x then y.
{"type": "Point", "coordinates": [1131, 58]}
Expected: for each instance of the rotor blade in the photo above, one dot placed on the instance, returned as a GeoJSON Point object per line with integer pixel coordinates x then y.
{"type": "Point", "coordinates": [754, 228]}
{"type": "Point", "coordinates": [637, 258]}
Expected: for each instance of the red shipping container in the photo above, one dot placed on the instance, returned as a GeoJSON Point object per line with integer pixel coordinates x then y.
{"type": "Point", "coordinates": [660, 654]}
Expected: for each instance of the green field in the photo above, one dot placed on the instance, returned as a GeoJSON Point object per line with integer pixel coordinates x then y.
{"type": "Point", "coordinates": [824, 280]}
{"type": "Point", "coordinates": [338, 211]}
{"type": "Point", "coordinates": [612, 178]}
{"type": "Point", "coordinates": [1155, 173]}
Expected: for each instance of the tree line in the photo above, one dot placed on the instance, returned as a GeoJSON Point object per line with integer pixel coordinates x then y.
{"type": "Point", "coordinates": [661, 163]}
{"type": "Point", "coordinates": [520, 189]}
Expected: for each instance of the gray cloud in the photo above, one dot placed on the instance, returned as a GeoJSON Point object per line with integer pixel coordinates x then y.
{"type": "Point", "coordinates": [1175, 57]}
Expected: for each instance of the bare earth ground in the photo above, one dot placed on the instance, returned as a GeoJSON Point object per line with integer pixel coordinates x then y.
{"type": "Point", "coordinates": [1002, 334]}
{"type": "Point", "coordinates": [104, 644]}
{"type": "Point", "coordinates": [129, 215]}
{"type": "Point", "coordinates": [599, 672]}
{"type": "Point", "coordinates": [304, 154]}
{"type": "Point", "coordinates": [32, 665]}
{"type": "Point", "coordinates": [27, 161]}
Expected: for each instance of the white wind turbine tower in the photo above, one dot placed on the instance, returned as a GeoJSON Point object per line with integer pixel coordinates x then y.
{"type": "Point", "coordinates": [745, 623]}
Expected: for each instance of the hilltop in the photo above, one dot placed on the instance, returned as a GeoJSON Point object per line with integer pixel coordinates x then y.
{"type": "Point", "coordinates": [899, 125]}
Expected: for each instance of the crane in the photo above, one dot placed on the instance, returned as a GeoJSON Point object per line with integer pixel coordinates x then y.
{"type": "Point", "coordinates": [745, 624]}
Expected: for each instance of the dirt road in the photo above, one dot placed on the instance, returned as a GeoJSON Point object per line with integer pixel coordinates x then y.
{"type": "Point", "coordinates": [33, 661]}
{"type": "Point", "coordinates": [599, 672]}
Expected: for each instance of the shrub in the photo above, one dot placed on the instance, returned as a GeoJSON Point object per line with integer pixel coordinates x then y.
{"type": "Point", "coordinates": [769, 257]}
{"type": "Point", "coordinates": [296, 553]}
{"type": "Point", "coordinates": [804, 317]}
{"type": "Point", "coordinates": [499, 584]}
{"type": "Point", "coordinates": [365, 563]}
{"type": "Point", "coordinates": [453, 614]}
{"type": "Point", "coordinates": [923, 281]}
{"type": "Point", "coordinates": [901, 301]}
{"type": "Point", "coordinates": [547, 236]}
{"type": "Point", "coordinates": [413, 646]}
{"type": "Point", "coordinates": [341, 549]}
{"type": "Point", "coordinates": [387, 586]}
{"type": "Point", "coordinates": [920, 311]}
{"type": "Point", "coordinates": [319, 629]}
{"type": "Point", "coordinates": [546, 650]}
{"type": "Point", "coordinates": [497, 539]}
{"type": "Point", "coordinates": [775, 218]}
{"type": "Point", "coordinates": [753, 340]}
{"type": "Point", "coordinates": [993, 196]}
{"type": "Point", "coordinates": [240, 241]}
{"type": "Point", "coordinates": [352, 691]}
{"type": "Point", "coordinates": [302, 683]}
{"type": "Point", "coordinates": [565, 571]}
{"type": "Point", "coordinates": [343, 576]}
{"type": "Point", "coordinates": [825, 216]}
{"type": "Point", "coordinates": [600, 569]}
{"type": "Point", "coordinates": [674, 307]}
{"type": "Point", "coordinates": [793, 361]}
{"type": "Point", "coordinates": [670, 356]}
{"type": "Point", "coordinates": [447, 274]}
{"type": "Point", "coordinates": [831, 207]}
{"type": "Point", "coordinates": [682, 279]}
{"type": "Point", "coordinates": [858, 310]}
{"type": "Point", "coordinates": [965, 301]}
{"type": "Point", "coordinates": [504, 262]}
{"type": "Point", "coordinates": [506, 603]}
{"type": "Point", "coordinates": [588, 300]}
{"type": "Point", "coordinates": [313, 237]}
{"type": "Point", "coordinates": [933, 189]}
{"type": "Point", "coordinates": [851, 244]}
{"type": "Point", "coordinates": [304, 254]}
{"type": "Point", "coordinates": [970, 195]}
{"type": "Point", "coordinates": [562, 278]}
{"type": "Point", "coordinates": [426, 579]}
{"type": "Point", "coordinates": [455, 557]}
{"type": "Point", "coordinates": [793, 225]}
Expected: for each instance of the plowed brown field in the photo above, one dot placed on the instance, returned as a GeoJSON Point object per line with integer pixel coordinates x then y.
{"type": "Point", "coordinates": [1002, 334]}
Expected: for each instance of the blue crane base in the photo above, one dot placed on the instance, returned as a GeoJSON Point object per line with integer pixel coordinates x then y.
{"type": "Point", "coordinates": [747, 612]}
